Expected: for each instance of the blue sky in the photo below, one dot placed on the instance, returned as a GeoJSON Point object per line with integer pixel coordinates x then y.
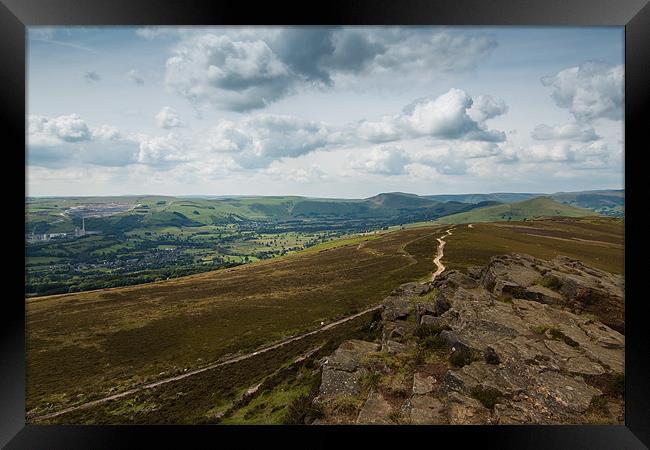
{"type": "Point", "coordinates": [319, 111]}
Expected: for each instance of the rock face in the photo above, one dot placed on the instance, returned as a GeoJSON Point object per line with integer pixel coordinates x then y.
{"type": "Point", "coordinates": [561, 282]}
{"type": "Point", "coordinates": [342, 371]}
{"type": "Point", "coordinates": [505, 344]}
{"type": "Point", "coordinates": [376, 410]}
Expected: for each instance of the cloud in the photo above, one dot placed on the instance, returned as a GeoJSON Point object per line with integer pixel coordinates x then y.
{"type": "Point", "coordinates": [92, 76]}
{"type": "Point", "coordinates": [444, 52]}
{"type": "Point", "coordinates": [383, 160]}
{"type": "Point", "coordinates": [134, 77]}
{"type": "Point", "coordinates": [297, 175]}
{"type": "Point", "coordinates": [569, 131]}
{"type": "Point", "coordinates": [443, 117]}
{"type": "Point", "coordinates": [594, 154]}
{"type": "Point", "coordinates": [486, 107]}
{"type": "Point", "coordinates": [314, 53]}
{"type": "Point", "coordinates": [589, 91]}
{"type": "Point", "coordinates": [232, 75]}
{"type": "Point", "coordinates": [446, 158]}
{"type": "Point", "coordinates": [167, 118]}
{"type": "Point", "coordinates": [68, 128]}
{"type": "Point", "coordinates": [241, 72]}
{"type": "Point", "coordinates": [67, 139]}
{"type": "Point", "coordinates": [256, 141]}
{"type": "Point", "coordinates": [162, 150]}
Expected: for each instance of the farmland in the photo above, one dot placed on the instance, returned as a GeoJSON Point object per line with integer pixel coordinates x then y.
{"type": "Point", "coordinates": [137, 240]}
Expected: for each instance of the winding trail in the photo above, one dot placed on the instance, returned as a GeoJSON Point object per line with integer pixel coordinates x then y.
{"type": "Point", "coordinates": [33, 418]}
{"type": "Point", "coordinates": [439, 255]}
{"type": "Point", "coordinates": [203, 369]}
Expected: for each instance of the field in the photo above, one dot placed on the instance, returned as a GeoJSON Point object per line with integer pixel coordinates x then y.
{"type": "Point", "coordinates": [142, 239]}
{"type": "Point", "coordinates": [86, 345]}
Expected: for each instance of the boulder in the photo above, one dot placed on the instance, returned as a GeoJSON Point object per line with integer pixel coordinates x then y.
{"type": "Point", "coordinates": [422, 383]}
{"type": "Point", "coordinates": [423, 309]}
{"type": "Point", "coordinates": [439, 322]}
{"type": "Point", "coordinates": [442, 304]}
{"type": "Point", "coordinates": [396, 309]}
{"type": "Point", "coordinates": [375, 411]}
{"type": "Point", "coordinates": [464, 410]}
{"type": "Point", "coordinates": [342, 371]}
{"type": "Point", "coordinates": [426, 410]}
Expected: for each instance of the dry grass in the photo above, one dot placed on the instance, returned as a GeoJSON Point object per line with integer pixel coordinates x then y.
{"type": "Point", "coordinates": [91, 344]}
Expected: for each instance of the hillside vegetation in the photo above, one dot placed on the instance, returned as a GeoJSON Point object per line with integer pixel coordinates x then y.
{"type": "Point", "coordinates": [527, 209]}
{"type": "Point", "coordinates": [91, 344]}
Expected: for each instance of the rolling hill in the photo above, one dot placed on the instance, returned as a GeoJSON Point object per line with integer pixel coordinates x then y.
{"type": "Point", "coordinates": [527, 209]}
{"type": "Point", "coordinates": [610, 202]}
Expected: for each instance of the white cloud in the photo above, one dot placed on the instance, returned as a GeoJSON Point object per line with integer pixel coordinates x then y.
{"type": "Point", "coordinates": [227, 74]}
{"type": "Point", "coordinates": [443, 52]}
{"type": "Point", "coordinates": [134, 77]}
{"type": "Point", "coordinates": [593, 153]}
{"type": "Point", "coordinates": [243, 71]}
{"type": "Point", "coordinates": [486, 107]}
{"type": "Point", "coordinates": [589, 91]}
{"type": "Point", "coordinates": [444, 117]}
{"type": "Point", "coordinates": [68, 128]}
{"type": "Point", "coordinates": [106, 132]}
{"type": "Point", "coordinates": [571, 131]}
{"type": "Point", "coordinates": [384, 160]}
{"type": "Point", "coordinates": [167, 118]}
{"type": "Point", "coordinates": [256, 141]}
{"type": "Point", "coordinates": [57, 141]}
{"type": "Point", "coordinates": [303, 175]}
{"type": "Point", "coordinates": [162, 150]}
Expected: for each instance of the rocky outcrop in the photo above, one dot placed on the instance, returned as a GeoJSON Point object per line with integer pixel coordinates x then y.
{"type": "Point", "coordinates": [342, 371]}
{"type": "Point", "coordinates": [560, 282]}
{"type": "Point", "coordinates": [507, 343]}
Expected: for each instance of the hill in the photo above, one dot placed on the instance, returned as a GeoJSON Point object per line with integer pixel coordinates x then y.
{"type": "Point", "coordinates": [500, 197]}
{"type": "Point", "coordinates": [527, 209]}
{"type": "Point", "coordinates": [606, 202]}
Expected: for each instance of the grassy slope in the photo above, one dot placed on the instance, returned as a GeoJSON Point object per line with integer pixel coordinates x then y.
{"type": "Point", "coordinates": [90, 342]}
{"type": "Point", "coordinates": [528, 209]}
{"type": "Point", "coordinates": [597, 241]}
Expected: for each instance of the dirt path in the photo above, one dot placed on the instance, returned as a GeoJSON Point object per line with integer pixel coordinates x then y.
{"type": "Point", "coordinates": [439, 255]}
{"type": "Point", "coordinates": [203, 369]}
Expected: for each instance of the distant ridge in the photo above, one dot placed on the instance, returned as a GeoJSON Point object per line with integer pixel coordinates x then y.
{"type": "Point", "coordinates": [527, 209]}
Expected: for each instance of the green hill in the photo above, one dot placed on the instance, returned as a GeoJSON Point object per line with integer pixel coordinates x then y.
{"type": "Point", "coordinates": [528, 209]}
{"type": "Point", "coordinates": [607, 203]}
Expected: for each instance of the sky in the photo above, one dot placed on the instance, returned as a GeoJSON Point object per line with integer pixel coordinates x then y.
{"type": "Point", "coordinates": [345, 112]}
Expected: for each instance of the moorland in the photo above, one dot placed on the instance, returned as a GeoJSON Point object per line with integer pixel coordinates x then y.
{"type": "Point", "coordinates": [86, 346]}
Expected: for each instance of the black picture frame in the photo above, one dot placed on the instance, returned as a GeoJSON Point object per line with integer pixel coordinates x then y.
{"type": "Point", "coordinates": [15, 15]}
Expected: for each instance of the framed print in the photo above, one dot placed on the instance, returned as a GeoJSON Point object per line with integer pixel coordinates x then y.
{"type": "Point", "coordinates": [361, 217]}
